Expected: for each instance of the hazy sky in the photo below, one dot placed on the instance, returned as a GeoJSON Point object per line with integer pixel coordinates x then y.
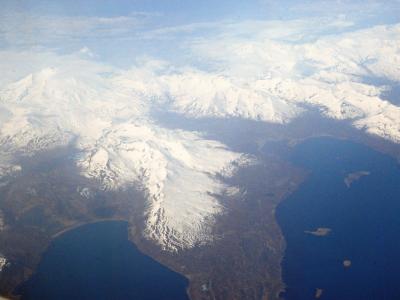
{"type": "Point", "coordinates": [122, 31]}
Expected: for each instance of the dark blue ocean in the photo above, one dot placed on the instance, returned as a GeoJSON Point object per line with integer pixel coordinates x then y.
{"type": "Point", "coordinates": [364, 219]}
{"type": "Point", "coordinates": [96, 261]}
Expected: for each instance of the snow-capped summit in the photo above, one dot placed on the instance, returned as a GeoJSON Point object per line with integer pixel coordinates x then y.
{"type": "Point", "coordinates": [120, 146]}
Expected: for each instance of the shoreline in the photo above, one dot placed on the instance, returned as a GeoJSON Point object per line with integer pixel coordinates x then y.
{"type": "Point", "coordinates": [80, 224]}
{"type": "Point", "coordinates": [128, 239]}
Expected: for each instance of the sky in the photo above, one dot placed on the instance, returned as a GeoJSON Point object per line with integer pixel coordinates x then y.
{"type": "Point", "coordinates": [120, 32]}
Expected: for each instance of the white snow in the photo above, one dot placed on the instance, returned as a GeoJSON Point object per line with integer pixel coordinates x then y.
{"type": "Point", "coordinates": [85, 192]}
{"type": "Point", "coordinates": [2, 225]}
{"type": "Point", "coordinates": [3, 262]}
{"type": "Point", "coordinates": [107, 112]}
{"type": "Point", "coordinates": [271, 79]}
{"type": "Point", "coordinates": [121, 146]}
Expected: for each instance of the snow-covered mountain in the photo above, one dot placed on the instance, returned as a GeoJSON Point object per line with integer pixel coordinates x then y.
{"type": "Point", "coordinates": [107, 112]}
{"type": "Point", "coordinates": [271, 80]}
{"type": "Point", "coordinates": [120, 146]}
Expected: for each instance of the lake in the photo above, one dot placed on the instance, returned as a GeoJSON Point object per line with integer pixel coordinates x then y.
{"type": "Point", "coordinates": [353, 196]}
{"type": "Point", "coordinates": [97, 261]}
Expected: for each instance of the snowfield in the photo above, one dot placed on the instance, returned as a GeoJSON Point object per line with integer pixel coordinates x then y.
{"type": "Point", "coordinates": [3, 262]}
{"type": "Point", "coordinates": [106, 113]}
{"type": "Point", "coordinates": [121, 146]}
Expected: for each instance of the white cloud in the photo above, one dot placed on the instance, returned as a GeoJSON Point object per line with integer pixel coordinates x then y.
{"type": "Point", "coordinates": [87, 52]}
{"type": "Point", "coordinates": [24, 30]}
{"type": "Point", "coordinates": [356, 9]}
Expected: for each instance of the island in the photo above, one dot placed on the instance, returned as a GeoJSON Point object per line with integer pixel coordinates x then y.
{"type": "Point", "coordinates": [318, 293]}
{"type": "Point", "coordinates": [321, 231]}
{"type": "Point", "coordinates": [347, 263]}
{"type": "Point", "coordinates": [352, 177]}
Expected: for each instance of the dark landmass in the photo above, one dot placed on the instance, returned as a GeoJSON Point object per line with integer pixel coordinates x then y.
{"type": "Point", "coordinates": [243, 262]}
{"type": "Point", "coordinates": [43, 201]}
